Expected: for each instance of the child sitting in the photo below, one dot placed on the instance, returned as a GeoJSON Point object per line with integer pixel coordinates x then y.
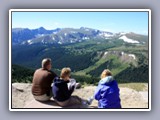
{"type": "Point", "coordinates": [107, 91]}
{"type": "Point", "coordinates": [62, 91]}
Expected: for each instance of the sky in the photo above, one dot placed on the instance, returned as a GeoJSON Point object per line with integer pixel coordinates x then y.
{"type": "Point", "coordinates": [108, 21]}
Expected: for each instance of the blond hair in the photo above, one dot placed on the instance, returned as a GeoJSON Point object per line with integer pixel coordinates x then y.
{"type": "Point", "coordinates": [46, 62]}
{"type": "Point", "coordinates": [65, 72]}
{"type": "Point", "coordinates": [105, 73]}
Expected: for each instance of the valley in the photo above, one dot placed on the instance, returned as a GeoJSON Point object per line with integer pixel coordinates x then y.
{"type": "Point", "coordinates": [86, 51]}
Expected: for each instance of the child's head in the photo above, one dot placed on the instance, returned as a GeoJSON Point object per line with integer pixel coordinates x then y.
{"type": "Point", "coordinates": [106, 73]}
{"type": "Point", "coordinates": [65, 73]}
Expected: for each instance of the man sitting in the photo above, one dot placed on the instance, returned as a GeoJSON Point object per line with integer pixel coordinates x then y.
{"type": "Point", "coordinates": [42, 80]}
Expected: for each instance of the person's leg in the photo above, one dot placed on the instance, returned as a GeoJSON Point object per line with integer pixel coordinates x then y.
{"type": "Point", "coordinates": [90, 100]}
{"type": "Point", "coordinates": [63, 104]}
{"type": "Point", "coordinates": [44, 97]}
{"type": "Point", "coordinates": [73, 100]}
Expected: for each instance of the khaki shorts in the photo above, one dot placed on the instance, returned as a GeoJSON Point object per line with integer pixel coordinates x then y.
{"type": "Point", "coordinates": [43, 97]}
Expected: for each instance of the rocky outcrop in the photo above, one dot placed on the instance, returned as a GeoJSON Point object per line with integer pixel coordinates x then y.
{"type": "Point", "coordinates": [22, 97]}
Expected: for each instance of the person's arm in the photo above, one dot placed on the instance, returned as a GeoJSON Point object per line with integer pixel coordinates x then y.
{"type": "Point", "coordinates": [71, 90]}
{"type": "Point", "coordinates": [71, 84]}
{"type": "Point", "coordinates": [66, 91]}
{"type": "Point", "coordinates": [54, 75]}
{"type": "Point", "coordinates": [97, 94]}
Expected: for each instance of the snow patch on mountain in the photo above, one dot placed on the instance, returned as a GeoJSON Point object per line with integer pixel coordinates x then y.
{"type": "Point", "coordinates": [42, 41]}
{"type": "Point", "coordinates": [105, 53]}
{"type": "Point", "coordinates": [85, 38]}
{"type": "Point", "coordinates": [122, 33]}
{"type": "Point", "coordinates": [79, 40]}
{"type": "Point", "coordinates": [125, 39]}
{"type": "Point", "coordinates": [73, 32]}
{"type": "Point", "coordinates": [65, 34]}
{"type": "Point", "coordinates": [132, 55]}
{"type": "Point", "coordinates": [122, 53]}
{"type": "Point", "coordinates": [59, 42]}
{"type": "Point", "coordinates": [72, 41]}
{"type": "Point", "coordinates": [105, 35]}
{"type": "Point", "coordinates": [30, 42]}
{"type": "Point", "coordinates": [53, 38]}
{"type": "Point", "coordinates": [39, 35]}
{"type": "Point", "coordinates": [87, 29]}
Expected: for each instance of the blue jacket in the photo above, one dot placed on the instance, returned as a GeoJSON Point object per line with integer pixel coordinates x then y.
{"type": "Point", "coordinates": [60, 90]}
{"type": "Point", "coordinates": [107, 93]}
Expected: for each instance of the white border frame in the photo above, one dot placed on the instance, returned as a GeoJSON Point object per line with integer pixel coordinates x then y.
{"type": "Point", "coordinates": [81, 10]}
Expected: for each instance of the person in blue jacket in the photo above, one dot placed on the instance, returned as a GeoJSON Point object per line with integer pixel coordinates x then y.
{"type": "Point", "coordinates": [107, 91]}
{"type": "Point", "coordinates": [62, 92]}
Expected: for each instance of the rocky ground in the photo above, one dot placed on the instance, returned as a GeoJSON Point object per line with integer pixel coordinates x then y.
{"type": "Point", "coordinates": [21, 96]}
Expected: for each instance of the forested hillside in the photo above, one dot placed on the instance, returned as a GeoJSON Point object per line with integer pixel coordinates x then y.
{"type": "Point", "coordinates": [126, 55]}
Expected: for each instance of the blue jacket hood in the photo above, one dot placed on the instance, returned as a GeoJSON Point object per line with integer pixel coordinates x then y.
{"type": "Point", "coordinates": [106, 80]}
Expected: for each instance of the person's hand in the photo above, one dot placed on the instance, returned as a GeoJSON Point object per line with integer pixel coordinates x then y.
{"type": "Point", "coordinates": [73, 87]}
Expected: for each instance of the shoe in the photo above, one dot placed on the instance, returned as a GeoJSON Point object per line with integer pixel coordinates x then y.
{"type": "Point", "coordinates": [78, 86]}
{"type": "Point", "coordinates": [90, 100]}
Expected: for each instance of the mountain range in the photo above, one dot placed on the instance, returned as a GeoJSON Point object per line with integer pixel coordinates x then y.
{"type": "Point", "coordinates": [69, 35]}
{"type": "Point", "coordinates": [85, 50]}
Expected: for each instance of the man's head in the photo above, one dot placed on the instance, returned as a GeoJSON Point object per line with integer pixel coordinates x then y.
{"type": "Point", "coordinates": [106, 73]}
{"type": "Point", "coordinates": [65, 73]}
{"type": "Point", "coordinates": [46, 63]}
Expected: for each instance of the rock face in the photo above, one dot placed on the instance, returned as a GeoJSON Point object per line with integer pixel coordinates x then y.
{"type": "Point", "coordinates": [132, 99]}
{"type": "Point", "coordinates": [22, 97]}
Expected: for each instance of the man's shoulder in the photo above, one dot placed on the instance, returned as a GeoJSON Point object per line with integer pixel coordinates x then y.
{"type": "Point", "coordinates": [40, 70]}
{"type": "Point", "coordinates": [45, 71]}
{"type": "Point", "coordinates": [37, 70]}
{"type": "Point", "coordinates": [51, 72]}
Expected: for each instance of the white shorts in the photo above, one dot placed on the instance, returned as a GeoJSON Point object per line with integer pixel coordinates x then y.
{"type": "Point", "coordinates": [43, 97]}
